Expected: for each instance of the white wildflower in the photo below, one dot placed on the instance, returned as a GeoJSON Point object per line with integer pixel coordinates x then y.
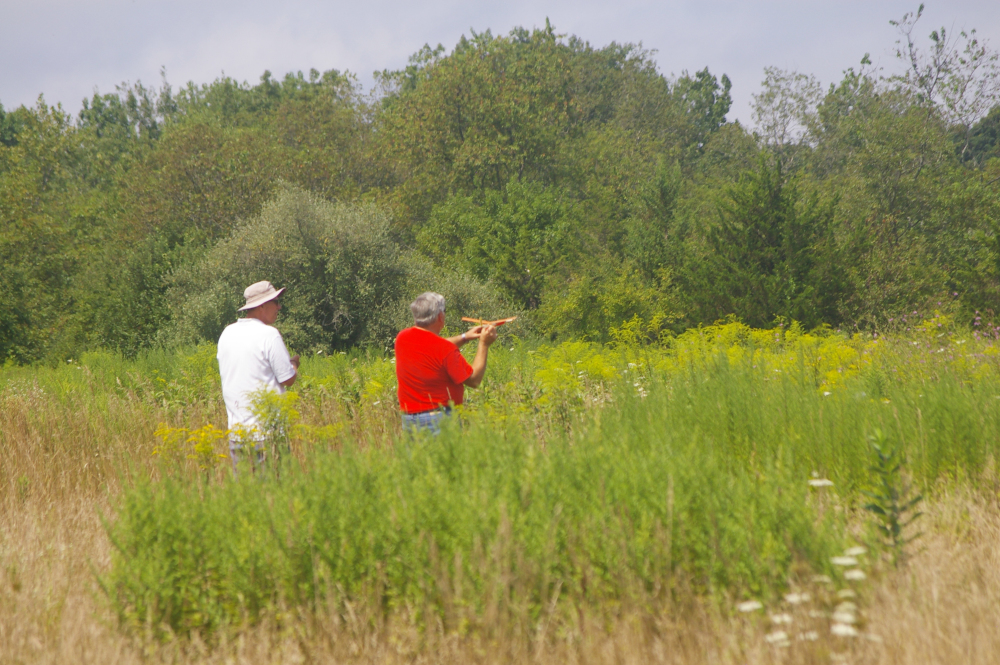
{"type": "Point", "coordinates": [843, 630]}
{"type": "Point", "coordinates": [749, 606]}
{"type": "Point", "coordinates": [855, 551]}
{"type": "Point", "coordinates": [778, 638]}
{"type": "Point", "coordinates": [846, 593]}
{"type": "Point", "coordinates": [844, 561]}
{"type": "Point", "coordinates": [376, 403]}
{"type": "Point", "coordinates": [632, 365]}
{"type": "Point", "coordinates": [820, 482]}
{"type": "Point", "coordinates": [826, 393]}
{"type": "Point", "coordinates": [796, 598]}
{"type": "Point", "coordinates": [855, 575]}
{"type": "Point", "coordinates": [817, 614]}
{"type": "Point", "coordinates": [808, 636]}
{"type": "Point", "coordinates": [846, 606]}
{"type": "Point", "coordinates": [843, 617]}
{"type": "Point", "coordinates": [873, 638]}
{"type": "Point", "coordinates": [781, 618]}
{"type": "Point", "coordinates": [822, 579]}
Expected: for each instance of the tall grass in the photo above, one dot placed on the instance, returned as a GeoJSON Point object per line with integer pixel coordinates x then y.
{"type": "Point", "coordinates": [606, 476]}
{"type": "Point", "coordinates": [476, 523]}
{"type": "Point", "coordinates": [579, 477]}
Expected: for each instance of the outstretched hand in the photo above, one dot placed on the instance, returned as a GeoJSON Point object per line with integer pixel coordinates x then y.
{"type": "Point", "coordinates": [487, 334]}
{"type": "Point", "coordinates": [475, 332]}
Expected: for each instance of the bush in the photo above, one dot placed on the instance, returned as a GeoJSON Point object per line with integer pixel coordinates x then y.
{"type": "Point", "coordinates": [348, 280]}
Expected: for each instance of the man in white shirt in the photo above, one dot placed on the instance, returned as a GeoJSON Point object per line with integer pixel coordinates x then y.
{"type": "Point", "coordinates": [252, 357]}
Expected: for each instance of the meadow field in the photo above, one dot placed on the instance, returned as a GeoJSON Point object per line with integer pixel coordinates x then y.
{"type": "Point", "coordinates": [701, 498]}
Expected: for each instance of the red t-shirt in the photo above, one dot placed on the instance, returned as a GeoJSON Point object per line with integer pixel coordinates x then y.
{"type": "Point", "coordinates": [429, 370]}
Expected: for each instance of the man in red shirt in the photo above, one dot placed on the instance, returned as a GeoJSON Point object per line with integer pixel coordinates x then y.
{"type": "Point", "coordinates": [430, 371]}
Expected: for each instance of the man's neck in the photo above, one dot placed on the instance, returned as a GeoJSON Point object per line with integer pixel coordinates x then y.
{"type": "Point", "coordinates": [430, 329]}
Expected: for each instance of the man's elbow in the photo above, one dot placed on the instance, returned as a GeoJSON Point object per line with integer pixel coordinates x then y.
{"type": "Point", "coordinates": [473, 381]}
{"type": "Point", "coordinates": [289, 382]}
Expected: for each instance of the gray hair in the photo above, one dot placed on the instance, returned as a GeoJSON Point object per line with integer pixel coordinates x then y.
{"type": "Point", "coordinates": [426, 308]}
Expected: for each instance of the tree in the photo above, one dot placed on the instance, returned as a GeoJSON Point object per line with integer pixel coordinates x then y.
{"type": "Point", "coordinates": [45, 225]}
{"type": "Point", "coordinates": [959, 76]}
{"type": "Point", "coordinates": [515, 239]}
{"type": "Point", "coordinates": [704, 100]}
{"type": "Point", "coordinates": [785, 108]}
{"type": "Point", "coordinates": [983, 141]}
{"type": "Point", "coordinates": [772, 254]}
{"type": "Point", "coordinates": [348, 281]}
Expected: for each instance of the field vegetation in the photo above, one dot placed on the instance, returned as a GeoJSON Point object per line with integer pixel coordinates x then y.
{"type": "Point", "coordinates": [633, 495]}
{"type": "Point", "coordinates": [747, 412]}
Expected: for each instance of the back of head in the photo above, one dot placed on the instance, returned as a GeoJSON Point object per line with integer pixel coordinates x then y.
{"type": "Point", "coordinates": [426, 308]}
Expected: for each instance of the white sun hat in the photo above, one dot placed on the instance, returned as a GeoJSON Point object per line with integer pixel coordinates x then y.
{"type": "Point", "coordinates": [259, 293]}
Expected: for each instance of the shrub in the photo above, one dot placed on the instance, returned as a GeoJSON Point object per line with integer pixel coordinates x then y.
{"type": "Point", "coordinates": [348, 280]}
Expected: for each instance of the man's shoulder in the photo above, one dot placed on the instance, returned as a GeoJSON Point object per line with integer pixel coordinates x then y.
{"type": "Point", "coordinates": [248, 330]}
{"type": "Point", "coordinates": [417, 336]}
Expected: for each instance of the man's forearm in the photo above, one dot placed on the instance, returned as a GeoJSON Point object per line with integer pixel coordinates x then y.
{"type": "Point", "coordinates": [295, 363]}
{"type": "Point", "coordinates": [478, 366]}
{"type": "Point", "coordinates": [459, 340]}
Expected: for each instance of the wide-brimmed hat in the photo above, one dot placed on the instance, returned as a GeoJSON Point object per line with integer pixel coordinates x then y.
{"type": "Point", "coordinates": [259, 293]}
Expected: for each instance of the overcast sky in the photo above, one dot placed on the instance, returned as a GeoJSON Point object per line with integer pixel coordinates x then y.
{"type": "Point", "coordinates": [67, 49]}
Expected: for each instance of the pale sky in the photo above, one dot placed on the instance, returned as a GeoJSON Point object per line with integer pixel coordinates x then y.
{"type": "Point", "coordinates": [68, 49]}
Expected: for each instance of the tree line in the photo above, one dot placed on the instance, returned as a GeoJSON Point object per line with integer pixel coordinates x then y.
{"type": "Point", "coordinates": [530, 172]}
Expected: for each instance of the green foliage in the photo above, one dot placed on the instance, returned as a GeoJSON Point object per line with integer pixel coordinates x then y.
{"type": "Point", "coordinates": [342, 270]}
{"type": "Point", "coordinates": [11, 124]}
{"type": "Point", "coordinates": [705, 100]}
{"type": "Point", "coordinates": [892, 502]}
{"type": "Point", "coordinates": [628, 503]}
{"type": "Point", "coordinates": [516, 239]}
{"type": "Point", "coordinates": [347, 279]}
{"type": "Point", "coordinates": [591, 304]}
{"type": "Point", "coordinates": [773, 254]}
{"type": "Point", "coordinates": [531, 171]}
{"type": "Point", "coordinates": [45, 230]}
{"type": "Point", "coordinates": [984, 139]}
{"type": "Point", "coordinates": [613, 475]}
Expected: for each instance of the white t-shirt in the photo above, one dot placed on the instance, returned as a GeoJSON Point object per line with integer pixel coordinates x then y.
{"type": "Point", "coordinates": [251, 356]}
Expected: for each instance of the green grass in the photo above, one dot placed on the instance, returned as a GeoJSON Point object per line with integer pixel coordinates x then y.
{"type": "Point", "coordinates": [631, 507]}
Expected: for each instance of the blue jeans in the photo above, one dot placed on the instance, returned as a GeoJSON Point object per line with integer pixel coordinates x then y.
{"type": "Point", "coordinates": [250, 454]}
{"type": "Point", "coordinates": [429, 421]}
